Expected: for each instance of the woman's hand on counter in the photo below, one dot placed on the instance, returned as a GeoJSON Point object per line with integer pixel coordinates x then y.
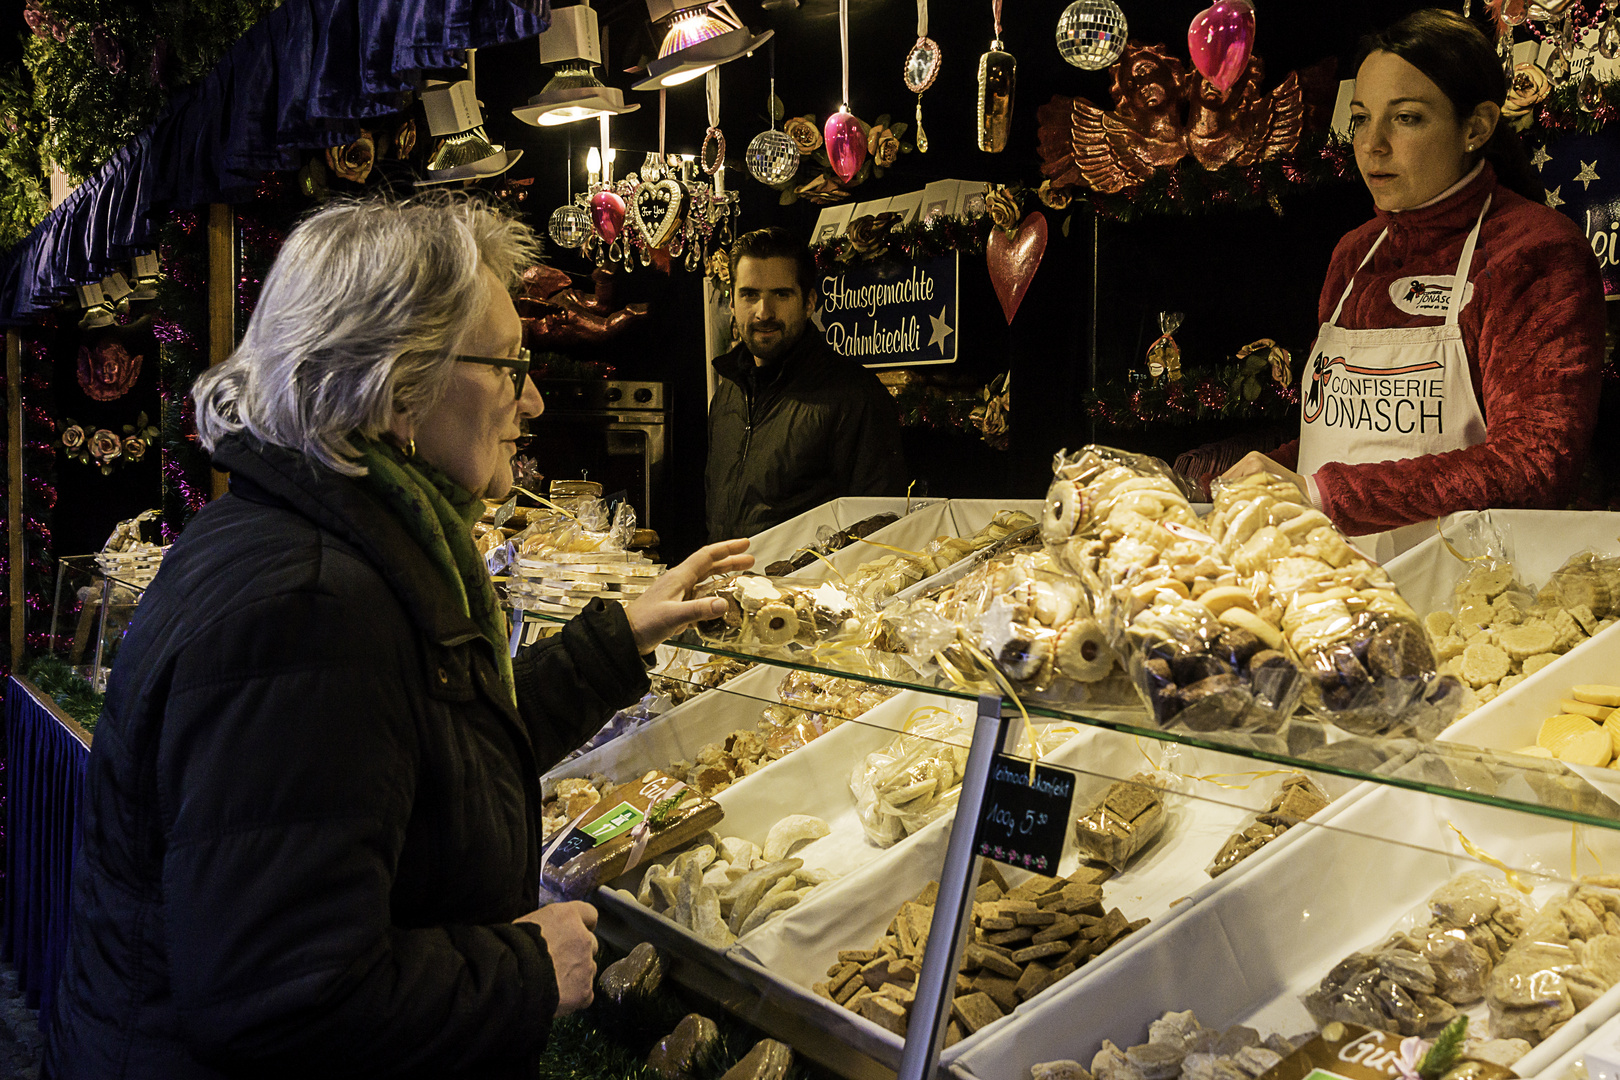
{"type": "Point", "coordinates": [666, 608]}
{"type": "Point", "coordinates": [1254, 462]}
{"type": "Point", "coordinates": [567, 929]}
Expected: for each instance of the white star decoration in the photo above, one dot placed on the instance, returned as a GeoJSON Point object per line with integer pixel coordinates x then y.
{"type": "Point", "coordinates": [1540, 158]}
{"type": "Point", "coordinates": [1588, 174]}
{"type": "Point", "coordinates": [1552, 196]}
{"type": "Point", "coordinates": [940, 330]}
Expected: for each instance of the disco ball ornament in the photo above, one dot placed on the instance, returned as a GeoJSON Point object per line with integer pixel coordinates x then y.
{"type": "Point", "coordinates": [772, 157]}
{"type": "Point", "coordinates": [569, 226]}
{"type": "Point", "coordinates": [1091, 33]}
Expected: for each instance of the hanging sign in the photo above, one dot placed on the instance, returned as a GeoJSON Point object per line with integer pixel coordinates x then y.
{"type": "Point", "coordinates": [1024, 824]}
{"type": "Point", "coordinates": [1580, 175]}
{"type": "Point", "coordinates": [892, 314]}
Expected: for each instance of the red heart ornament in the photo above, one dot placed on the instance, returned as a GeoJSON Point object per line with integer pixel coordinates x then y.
{"type": "Point", "coordinates": [1014, 259]}
{"type": "Point", "coordinates": [1221, 39]}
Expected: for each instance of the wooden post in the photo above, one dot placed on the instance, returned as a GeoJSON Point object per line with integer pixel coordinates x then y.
{"type": "Point", "coordinates": [15, 525]}
{"type": "Point", "coordinates": [222, 274]}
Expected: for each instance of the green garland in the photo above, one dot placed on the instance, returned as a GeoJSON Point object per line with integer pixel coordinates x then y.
{"type": "Point", "coordinates": [57, 680]}
{"type": "Point", "coordinates": [24, 200]}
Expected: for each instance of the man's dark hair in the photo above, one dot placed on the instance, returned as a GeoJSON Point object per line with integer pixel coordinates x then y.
{"type": "Point", "coordinates": [777, 243]}
{"type": "Point", "coordinates": [1457, 57]}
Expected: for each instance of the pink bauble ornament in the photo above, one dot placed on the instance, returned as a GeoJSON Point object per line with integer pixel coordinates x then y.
{"type": "Point", "coordinates": [1014, 259]}
{"type": "Point", "coordinates": [607, 214]}
{"type": "Point", "coordinates": [846, 144]}
{"type": "Point", "coordinates": [1221, 39]}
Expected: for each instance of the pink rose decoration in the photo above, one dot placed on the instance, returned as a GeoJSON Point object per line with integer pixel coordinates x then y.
{"type": "Point", "coordinates": [107, 371]}
{"type": "Point", "coordinates": [106, 445]}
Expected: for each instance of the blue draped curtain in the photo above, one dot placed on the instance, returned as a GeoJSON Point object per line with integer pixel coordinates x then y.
{"type": "Point", "coordinates": [305, 77]}
{"type": "Point", "coordinates": [45, 763]}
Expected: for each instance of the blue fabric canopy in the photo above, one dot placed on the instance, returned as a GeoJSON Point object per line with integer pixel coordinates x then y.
{"type": "Point", "coordinates": [305, 77]}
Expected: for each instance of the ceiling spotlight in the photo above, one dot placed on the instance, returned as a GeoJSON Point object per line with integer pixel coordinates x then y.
{"type": "Point", "coordinates": [572, 46]}
{"type": "Point", "coordinates": [464, 152]}
{"type": "Point", "coordinates": [700, 37]}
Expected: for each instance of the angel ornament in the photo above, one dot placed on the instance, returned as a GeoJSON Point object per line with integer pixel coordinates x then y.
{"type": "Point", "coordinates": [1242, 126]}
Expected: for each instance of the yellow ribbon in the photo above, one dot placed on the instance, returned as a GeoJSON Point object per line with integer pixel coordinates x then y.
{"type": "Point", "coordinates": [1574, 854]}
{"type": "Point", "coordinates": [830, 566]}
{"type": "Point", "coordinates": [1488, 859]}
{"type": "Point", "coordinates": [1006, 688]}
{"type": "Point", "coordinates": [1210, 778]}
{"type": "Point", "coordinates": [1453, 548]}
{"type": "Point", "coordinates": [915, 556]}
{"type": "Point", "coordinates": [545, 502]}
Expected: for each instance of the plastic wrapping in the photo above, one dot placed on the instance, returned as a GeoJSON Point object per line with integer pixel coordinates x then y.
{"type": "Point", "coordinates": [1370, 667]}
{"type": "Point", "coordinates": [1415, 981]}
{"type": "Point", "coordinates": [876, 581]}
{"type": "Point", "coordinates": [1201, 648]}
{"type": "Point", "coordinates": [588, 526]}
{"type": "Point", "coordinates": [628, 825]}
{"type": "Point", "coordinates": [776, 613]}
{"type": "Point", "coordinates": [917, 778]}
{"type": "Point", "coordinates": [1021, 611]}
{"type": "Point", "coordinates": [1565, 959]}
{"type": "Point", "coordinates": [1128, 817]}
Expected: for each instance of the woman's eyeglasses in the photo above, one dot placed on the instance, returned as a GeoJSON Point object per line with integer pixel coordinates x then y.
{"type": "Point", "coordinates": [519, 366]}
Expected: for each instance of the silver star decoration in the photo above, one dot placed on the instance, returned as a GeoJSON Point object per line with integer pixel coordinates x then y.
{"type": "Point", "coordinates": [1540, 158]}
{"type": "Point", "coordinates": [1552, 196]}
{"type": "Point", "coordinates": [1588, 174]}
{"type": "Point", "coordinates": [940, 330]}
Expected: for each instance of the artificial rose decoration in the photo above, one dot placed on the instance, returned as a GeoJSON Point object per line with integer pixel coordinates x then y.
{"type": "Point", "coordinates": [353, 162]}
{"type": "Point", "coordinates": [106, 445]}
{"type": "Point", "coordinates": [134, 448]}
{"type": "Point", "coordinates": [107, 371]}
{"type": "Point", "coordinates": [885, 148]}
{"type": "Point", "coordinates": [869, 234]}
{"type": "Point", "coordinates": [1002, 208]}
{"type": "Point", "coordinates": [1528, 87]}
{"type": "Point", "coordinates": [108, 52]}
{"type": "Point", "coordinates": [804, 133]}
{"type": "Point", "coordinates": [73, 436]}
{"type": "Point", "coordinates": [35, 17]}
{"type": "Point", "coordinates": [405, 139]}
{"type": "Point", "coordinates": [1056, 198]}
{"type": "Point", "coordinates": [720, 268]}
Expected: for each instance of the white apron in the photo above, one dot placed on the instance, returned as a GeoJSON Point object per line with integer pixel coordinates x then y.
{"type": "Point", "coordinates": [1386, 395]}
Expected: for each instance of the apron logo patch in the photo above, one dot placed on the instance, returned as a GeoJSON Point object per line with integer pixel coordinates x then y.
{"type": "Point", "coordinates": [1340, 394]}
{"type": "Point", "coordinates": [1426, 295]}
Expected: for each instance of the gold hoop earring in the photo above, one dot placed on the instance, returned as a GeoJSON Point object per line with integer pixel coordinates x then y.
{"type": "Point", "coordinates": [410, 448]}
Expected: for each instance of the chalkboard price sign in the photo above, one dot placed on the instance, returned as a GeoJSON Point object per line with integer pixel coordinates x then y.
{"type": "Point", "coordinates": [1024, 824]}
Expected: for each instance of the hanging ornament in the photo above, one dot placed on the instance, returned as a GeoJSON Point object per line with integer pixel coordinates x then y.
{"type": "Point", "coordinates": [1608, 42]}
{"type": "Point", "coordinates": [607, 214]}
{"type": "Point", "coordinates": [922, 68]}
{"type": "Point", "coordinates": [772, 157]}
{"type": "Point", "coordinates": [1013, 258]}
{"type": "Point", "coordinates": [1220, 39]}
{"type": "Point", "coordinates": [998, 78]}
{"type": "Point", "coordinates": [570, 226]}
{"type": "Point", "coordinates": [1091, 34]}
{"type": "Point", "coordinates": [846, 142]}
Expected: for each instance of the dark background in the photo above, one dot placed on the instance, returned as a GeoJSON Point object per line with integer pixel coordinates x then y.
{"type": "Point", "coordinates": [1238, 276]}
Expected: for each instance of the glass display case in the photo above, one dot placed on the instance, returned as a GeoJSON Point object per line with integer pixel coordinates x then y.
{"type": "Point", "coordinates": [93, 601]}
{"type": "Point", "coordinates": [1260, 881]}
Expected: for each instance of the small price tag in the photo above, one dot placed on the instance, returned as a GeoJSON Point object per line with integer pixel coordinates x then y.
{"type": "Point", "coordinates": [1024, 824]}
{"type": "Point", "coordinates": [504, 513]}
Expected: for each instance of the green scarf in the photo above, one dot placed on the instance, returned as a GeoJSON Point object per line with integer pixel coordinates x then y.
{"type": "Point", "coordinates": [438, 514]}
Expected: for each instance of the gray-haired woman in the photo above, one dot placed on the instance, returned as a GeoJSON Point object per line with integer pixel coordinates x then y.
{"type": "Point", "coordinates": [311, 822]}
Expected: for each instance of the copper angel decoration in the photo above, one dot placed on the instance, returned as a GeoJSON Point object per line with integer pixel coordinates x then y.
{"type": "Point", "coordinates": [1162, 113]}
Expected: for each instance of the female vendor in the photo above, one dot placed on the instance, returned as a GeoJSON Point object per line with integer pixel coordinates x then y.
{"type": "Point", "coordinates": [1422, 397]}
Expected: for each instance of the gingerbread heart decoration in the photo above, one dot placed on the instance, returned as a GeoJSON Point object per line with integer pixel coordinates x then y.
{"type": "Point", "coordinates": [1013, 260]}
{"type": "Point", "coordinates": [656, 211]}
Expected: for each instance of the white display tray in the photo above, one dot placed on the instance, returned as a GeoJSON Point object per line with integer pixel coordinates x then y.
{"type": "Point", "coordinates": [784, 540]}
{"type": "Point", "coordinates": [1247, 952]}
{"type": "Point", "coordinates": [788, 955]}
{"type": "Point", "coordinates": [1605, 1041]}
{"type": "Point", "coordinates": [949, 517]}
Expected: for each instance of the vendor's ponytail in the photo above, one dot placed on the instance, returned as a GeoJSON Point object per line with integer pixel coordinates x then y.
{"type": "Point", "coordinates": [1457, 58]}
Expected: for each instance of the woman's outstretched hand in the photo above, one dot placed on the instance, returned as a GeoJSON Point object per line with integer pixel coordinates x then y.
{"type": "Point", "coordinates": [666, 608]}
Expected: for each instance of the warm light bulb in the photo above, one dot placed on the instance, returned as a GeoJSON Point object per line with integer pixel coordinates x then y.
{"type": "Point", "coordinates": [687, 76]}
{"type": "Point", "coordinates": [593, 160]}
{"type": "Point", "coordinates": [613, 155]}
{"type": "Point", "coordinates": [691, 28]}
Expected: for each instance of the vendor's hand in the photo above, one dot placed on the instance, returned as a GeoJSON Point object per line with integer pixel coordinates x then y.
{"type": "Point", "coordinates": [567, 930]}
{"type": "Point", "coordinates": [1254, 462]}
{"type": "Point", "coordinates": [666, 609]}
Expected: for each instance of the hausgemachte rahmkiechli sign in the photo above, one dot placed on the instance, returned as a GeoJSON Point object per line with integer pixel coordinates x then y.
{"type": "Point", "coordinates": [892, 314]}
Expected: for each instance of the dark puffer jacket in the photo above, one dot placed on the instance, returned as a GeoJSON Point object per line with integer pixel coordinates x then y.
{"type": "Point", "coordinates": [309, 818]}
{"type": "Point", "coordinates": [785, 439]}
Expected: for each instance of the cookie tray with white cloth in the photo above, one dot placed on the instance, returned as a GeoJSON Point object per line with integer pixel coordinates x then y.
{"type": "Point", "coordinates": [1248, 951]}
{"type": "Point", "coordinates": [789, 954]}
{"type": "Point", "coordinates": [790, 537]}
{"type": "Point", "coordinates": [914, 532]}
{"type": "Point", "coordinates": [1596, 1057]}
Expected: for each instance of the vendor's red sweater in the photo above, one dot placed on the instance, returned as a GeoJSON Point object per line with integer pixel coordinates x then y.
{"type": "Point", "coordinates": [1534, 333]}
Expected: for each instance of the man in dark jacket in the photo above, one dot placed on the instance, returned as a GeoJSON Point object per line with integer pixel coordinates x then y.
{"type": "Point", "coordinates": [792, 423]}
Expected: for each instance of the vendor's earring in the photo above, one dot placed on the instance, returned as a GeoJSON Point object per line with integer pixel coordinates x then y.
{"type": "Point", "coordinates": [410, 448]}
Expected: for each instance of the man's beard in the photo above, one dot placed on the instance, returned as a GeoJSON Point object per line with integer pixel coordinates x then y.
{"type": "Point", "coordinates": [773, 352]}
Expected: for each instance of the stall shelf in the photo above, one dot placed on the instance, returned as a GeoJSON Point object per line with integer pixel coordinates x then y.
{"type": "Point", "coordinates": [1405, 817]}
